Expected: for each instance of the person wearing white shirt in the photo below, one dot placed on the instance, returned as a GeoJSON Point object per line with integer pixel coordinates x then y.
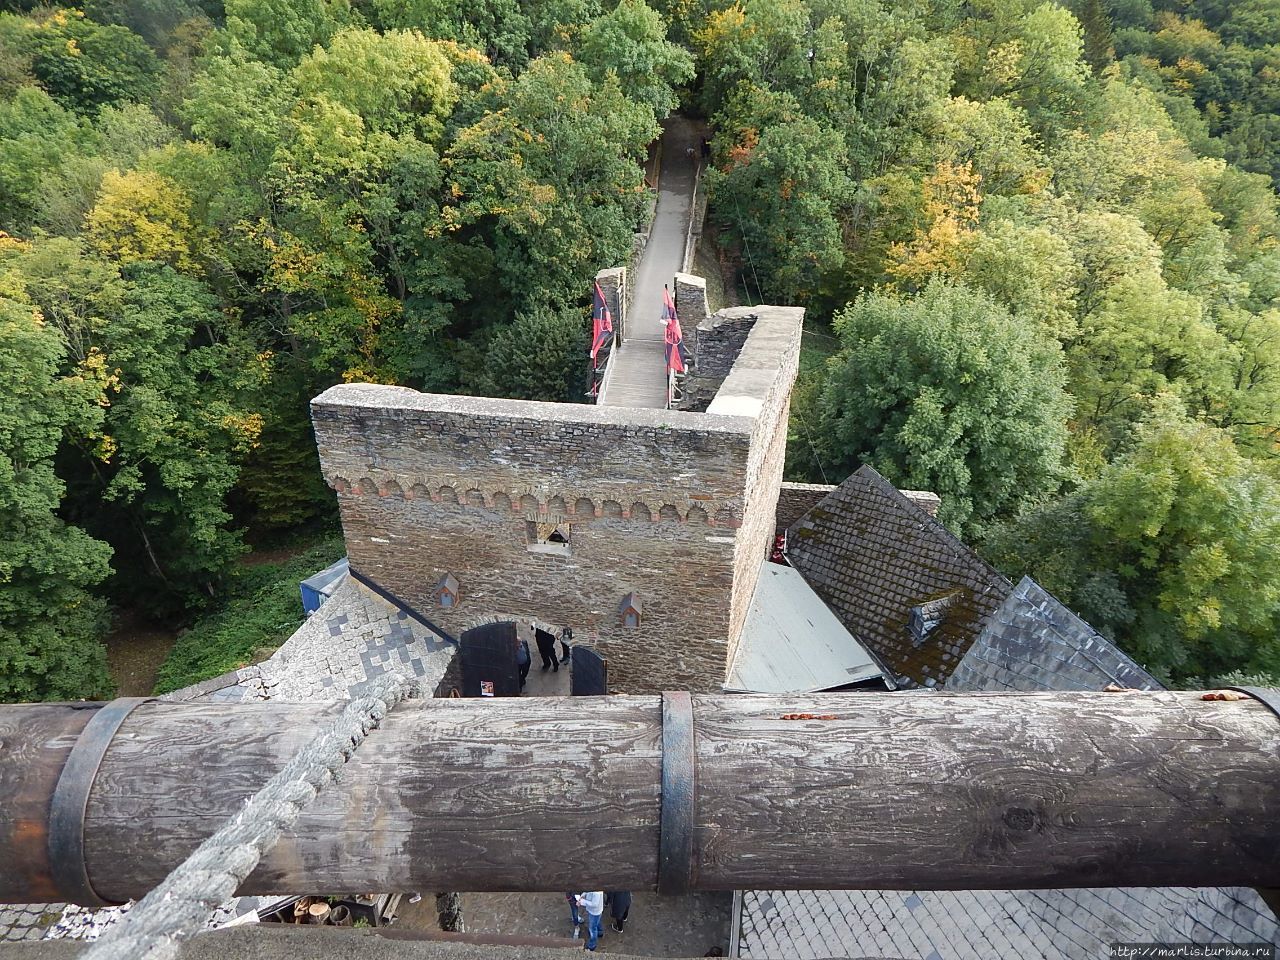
{"type": "Point", "coordinates": [593, 903]}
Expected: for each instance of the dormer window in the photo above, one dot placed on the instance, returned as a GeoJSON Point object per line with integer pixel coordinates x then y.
{"type": "Point", "coordinates": [553, 538]}
{"type": "Point", "coordinates": [630, 611]}
{"type": "Point", "coordinates": [925, 617]}
{"type": "Point", "coordinates": [447, 594]}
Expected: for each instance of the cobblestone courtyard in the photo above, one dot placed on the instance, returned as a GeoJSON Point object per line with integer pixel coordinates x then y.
{"type": "Point", "coordinates": [658, 926]}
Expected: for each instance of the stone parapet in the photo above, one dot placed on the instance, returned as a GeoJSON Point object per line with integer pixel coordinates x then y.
{"type": "Point", "coordinates": [720, 339]}
{"type": "Point", "coordinates": [613, 284]}
{"type": "Point", "coordinates": [797, 499]}
{"type": "Point", "coordinates": [674, 507]}
{"type": "Point", "coordinates": [691, 306]}
{"type": "Point", "coordinates": [759, 386]}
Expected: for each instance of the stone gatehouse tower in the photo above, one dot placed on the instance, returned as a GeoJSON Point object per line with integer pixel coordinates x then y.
{"type": "Point", "coordinates": [643, 530]}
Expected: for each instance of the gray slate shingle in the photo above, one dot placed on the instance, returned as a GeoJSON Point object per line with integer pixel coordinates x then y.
{"type": "Point", "coordinates": [872, 554]}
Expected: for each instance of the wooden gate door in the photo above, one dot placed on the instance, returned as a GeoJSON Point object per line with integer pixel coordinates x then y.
{"type": "Point", "coordinates": [590, 677]}
{"type": "Point", "coordinates": [489, 661]}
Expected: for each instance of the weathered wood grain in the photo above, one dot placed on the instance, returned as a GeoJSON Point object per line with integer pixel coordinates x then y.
{"type": "Point", "coordinates": [35, 741]}
{"type": "Point", "coordinates": [972, 792]}
{"type": "Point", "coordinates": [895, 791]}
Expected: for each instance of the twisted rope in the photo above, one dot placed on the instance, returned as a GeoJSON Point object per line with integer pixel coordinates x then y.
{"type": "Point", "coordinates": [180, 905]}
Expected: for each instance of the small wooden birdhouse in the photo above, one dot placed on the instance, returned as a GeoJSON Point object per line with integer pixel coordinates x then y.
{"type": "Point", "coordinates": [630, 610]}
{"type": "Point", "coordinates": [447, 594]}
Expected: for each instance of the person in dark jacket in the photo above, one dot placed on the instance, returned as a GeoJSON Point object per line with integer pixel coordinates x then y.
{"type": "Point", "coordinates": [523, 660]}
{"type": "Point", "coordinates": [619, 906]}
{"type": "Point", "coordinates": [546, 641]}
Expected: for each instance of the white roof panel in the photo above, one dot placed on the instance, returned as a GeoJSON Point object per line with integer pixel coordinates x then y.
{"type": "Point", "coordinates": [793, 643]}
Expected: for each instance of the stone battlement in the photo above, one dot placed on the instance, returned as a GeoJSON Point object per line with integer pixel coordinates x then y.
{"type": "Point", "coordinates": [560, 511]}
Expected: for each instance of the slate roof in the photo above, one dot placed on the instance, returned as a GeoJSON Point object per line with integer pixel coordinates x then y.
{"type": "Point", "coordinates": [354, 637]}
{"type": "Point", "coordinates": [1033, 642]}
{"type": "Point", "coordinates": [872, 554]}
{"type": "Point", "coordinates": [994, 924]}
{"type": "Point", "coordinates": [28, 921]}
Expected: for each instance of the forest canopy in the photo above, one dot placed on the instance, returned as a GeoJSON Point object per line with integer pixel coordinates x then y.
{"type": "Point", "coordinates": [209, 213]}
{"type": "Point", "coordinates": [1037, 243]}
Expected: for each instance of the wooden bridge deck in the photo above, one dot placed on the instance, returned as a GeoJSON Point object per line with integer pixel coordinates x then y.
{"type": "Point", "coordinates": [638, 377]}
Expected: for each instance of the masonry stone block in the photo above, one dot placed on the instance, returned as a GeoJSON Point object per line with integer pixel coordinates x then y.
{"type": "Point", "coordinates": [678, 508]}
{"type": "Point", "coordinates": [691, 306]}
{"type": "Point", "coordinates": [613, 284]}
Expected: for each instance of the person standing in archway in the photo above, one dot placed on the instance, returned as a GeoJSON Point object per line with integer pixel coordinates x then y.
{"type": "Point", "coordinates": [523, 660]}
{"type": "Point", "coordinates": [619, 907]}
{"type": "Point", "coordinates": [546, 641]}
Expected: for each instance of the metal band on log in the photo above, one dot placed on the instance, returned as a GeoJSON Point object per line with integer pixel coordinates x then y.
{"type": "Point", "coordinates": [71, 799]}
{"type": "Point", "coordinates": [866, 791]}
{"type": "Point", "coordinates": [679, 795]}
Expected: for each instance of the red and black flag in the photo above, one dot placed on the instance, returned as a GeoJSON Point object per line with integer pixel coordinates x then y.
{"type": "Point", "coordinates": [674, 338]}
{"type": "Point", "coordinates": [601, 325]}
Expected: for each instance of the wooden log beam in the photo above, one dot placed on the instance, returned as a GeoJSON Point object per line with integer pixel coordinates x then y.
{"type": "Point", "coordinates": [878, 791]}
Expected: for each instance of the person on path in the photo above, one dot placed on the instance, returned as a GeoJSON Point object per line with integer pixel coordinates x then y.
{"type": "Point", "coordinates": [574, 915]}
{"type": "Point", "coordinates": [546, 641]}
{"type": "Point", "coordinates": [523, 660]}
{"type": "Point", "coordinates": [619, 906]}
{"type": "Point", "coordinates": [594, 904]}
{"type": "Point", "coordinates": [565, 636]}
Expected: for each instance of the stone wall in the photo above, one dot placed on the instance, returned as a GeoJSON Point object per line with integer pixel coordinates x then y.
{"type": "Point", "coordinates": [691, 306]}
{"type": "Point", "coordinates": [759, 386]}
{"type": "Point", "coordinates": [429, 485]}
{"type": "Point", "coordinates": [613, 284]}
{"type": "Point", "coordinates": [677, 508]}
{"type": "Point", "coordinates": [720, 338]}
{"type": "Point", "coordinates": [797, 499]}
{"type": "Point", "coordinates": [927, 501]}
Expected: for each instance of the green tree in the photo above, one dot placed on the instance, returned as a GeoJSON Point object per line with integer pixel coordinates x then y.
{"type": "Point", "coordinates": [1029, 269]}
{"type": "Point", "coordinates": [1095, 25]}
{"type": "Point", "coordinates": [540, 356]}
{"type": "Point", "coordinates": [498, 28]}
{"type": "Point", "coordinates": [281, 32]}
{"type": "Point", "coordinates": [36, 136]}
{"type": "Point", "coordinates": [240, 104]}
{"type": "Point", "coordinates": [120, 137]}
{"type": "Point", "coordinates": [782, 199]}
{"type": "Point", "coordinates": [49, 620]}
{"type": "Point", "coordinates": [180, 426]}
{"type": "Point", "coordinates": [142, 216]}
{"type": "Point", "coordinates": [153, 472]}
{"type": "Point", "coordinates": [1028, 51]}
{"type": "Point", "coordinates": [355, 186]}
{"type": "Point", "coordinates": [1174, 549]}
{"type": "Point", "coordinates": [1145, 339]}
{"type": "Point", "coordinates": [395, 82]}
{"type": "Point", "coordinates": [557, 24]}
{"type": "Point", "coordinates": [631, 43]}
{"type": "Point", "coordinates": [947, 392]}
{"type": "Point", "coordinates": [551, 177]}
{"type": "Point", "coordinates": [85, 65]}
